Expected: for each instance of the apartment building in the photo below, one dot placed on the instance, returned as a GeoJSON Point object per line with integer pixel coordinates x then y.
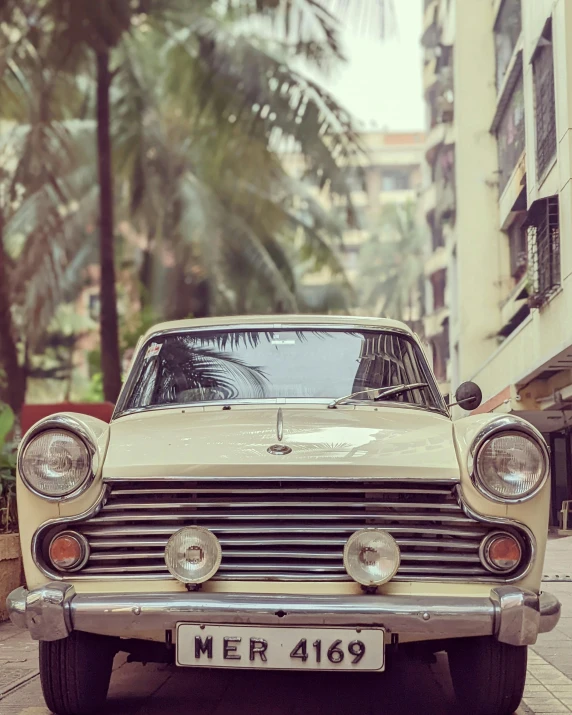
{"type": "Point", "coordinates": [388, 171]}
{"type": "Point", "coordinates": [498, 206]}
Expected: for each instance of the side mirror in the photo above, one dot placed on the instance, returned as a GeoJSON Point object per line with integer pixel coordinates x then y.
{"type": "Point", "coordinates": [468, 396]}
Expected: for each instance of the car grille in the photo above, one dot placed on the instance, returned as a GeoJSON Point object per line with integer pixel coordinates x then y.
{"type": "Point", "coordinates": [284, 529]}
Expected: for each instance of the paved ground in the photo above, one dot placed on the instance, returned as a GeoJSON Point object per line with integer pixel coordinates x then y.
{"type": "Point", "coordinates": [408, 688]}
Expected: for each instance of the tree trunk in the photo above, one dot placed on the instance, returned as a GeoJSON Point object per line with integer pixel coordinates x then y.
{"type": "Point", "coordinates": [13, 381]}
{"type": "Point", "coordinates": [109, 331]}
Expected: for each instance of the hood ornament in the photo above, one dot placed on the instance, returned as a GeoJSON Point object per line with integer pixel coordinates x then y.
{"type": "Point", "coordinates": [279, 449]}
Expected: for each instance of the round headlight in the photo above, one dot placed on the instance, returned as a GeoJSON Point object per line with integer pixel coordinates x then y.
{"type": "Point", "coordinates": [193, 554]}
{"type": "Point", "coordinates": [371, 557]}
{"type": "Point", "coordinates": [510, 466]}
{"type": "Point", "coordinates": [55, 463]}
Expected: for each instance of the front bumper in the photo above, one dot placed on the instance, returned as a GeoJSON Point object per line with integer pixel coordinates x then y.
{"type": "Point", "coordinates": [510, 614]}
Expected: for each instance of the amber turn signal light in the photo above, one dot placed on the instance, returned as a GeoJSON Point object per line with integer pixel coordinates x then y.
{"type": "Point", "coordinates": [69, 551]}
{"type": "Point", "coordinates": [500, 552]}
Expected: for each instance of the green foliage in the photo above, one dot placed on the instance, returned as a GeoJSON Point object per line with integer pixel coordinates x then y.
{"type": "Point", "coordinates": [8, 514]}
{"type": "Point", "coordinates": [95, 392]}
{"type": "Point", "coordinates": [133, 328]}
{"type": "Point", "coordinates": [391, 265]}
{"type": "Point", "coordinates": [205, 97]}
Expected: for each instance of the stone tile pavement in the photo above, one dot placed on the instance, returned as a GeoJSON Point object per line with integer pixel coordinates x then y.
{"type": "Point", "coordinates": [157, 690]}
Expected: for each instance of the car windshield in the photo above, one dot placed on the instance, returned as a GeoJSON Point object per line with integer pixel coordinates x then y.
{"type": "Point", "coordinates": [183, 368]}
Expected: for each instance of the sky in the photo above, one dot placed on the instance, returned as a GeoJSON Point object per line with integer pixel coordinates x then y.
{"type": "Point", "coordinates": [382, 80]}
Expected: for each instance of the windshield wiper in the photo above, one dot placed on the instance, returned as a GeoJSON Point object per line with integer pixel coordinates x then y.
{"type": "Point", "coordinates": [379, 392]}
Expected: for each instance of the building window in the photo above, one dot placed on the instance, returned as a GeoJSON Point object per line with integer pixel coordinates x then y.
{"type": "Point", "coordinates": [440, 349]}
{"type": "Point", "coordinates": [438, 281]}
{"type": "Point", "coordinates": [507, 31]}
{"type": "Point", "coordinates": [396, 178]}
{"type": "Point", "coordinates": [544, 102]}
{"type": "Point", "coordinates": [510, 133]}
{"type": "Point", "coordinates": [543, 236]}
{"type": "Point", "coordinates": [517, 242]}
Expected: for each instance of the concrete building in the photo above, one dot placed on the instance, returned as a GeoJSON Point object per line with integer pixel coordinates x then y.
{"type": "Point", "coordinates": [389, 171]}
{"type": "Point", "coordinates": [498, 201]}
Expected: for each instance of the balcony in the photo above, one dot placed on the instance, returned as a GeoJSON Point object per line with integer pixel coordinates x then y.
{"type": "Point", "coordinates": [430, 76]}
{"type": "Point", "coordinates": [433, 323]}
{"type": "Point", "coordinates": [437, 261]}
{"type": "Point", "coordinates": [429, 198]}
{"type": "Point", "coordinates": [440, 134]}
{"type": "Point", "coordinates": [430, 36]}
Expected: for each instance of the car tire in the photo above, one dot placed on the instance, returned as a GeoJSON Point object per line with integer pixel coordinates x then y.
{"type": "Point", "coordinates": [488, 676]}
{"type": "Point", "coordinates": [75, 672]}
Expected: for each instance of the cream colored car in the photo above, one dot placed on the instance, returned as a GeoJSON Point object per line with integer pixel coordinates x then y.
{"type": "Point", "coordinates": [283, 492]}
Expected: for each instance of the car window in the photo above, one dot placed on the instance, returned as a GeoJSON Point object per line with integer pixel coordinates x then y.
{"type": "Point", "coordinates": [183, 368]}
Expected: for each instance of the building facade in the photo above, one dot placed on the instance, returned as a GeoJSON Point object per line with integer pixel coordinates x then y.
{"type": "Point", "coordinates": [498, 85]}
{"type": "Point", "coordinates": [388, 171]}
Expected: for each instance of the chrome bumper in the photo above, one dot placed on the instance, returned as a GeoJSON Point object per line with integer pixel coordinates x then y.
{"type": "Point", "coordinates": [510, 614]}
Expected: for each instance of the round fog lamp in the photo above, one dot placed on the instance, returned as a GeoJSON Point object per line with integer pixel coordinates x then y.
{"type": "Point", "coordinates": [371, 557]}
{"type": "Point", "coordinates": [68, 551]}
{"type": "Point", "coordinates": [500, 552]}
{"type": "Point", "coordinates": [193, 554]}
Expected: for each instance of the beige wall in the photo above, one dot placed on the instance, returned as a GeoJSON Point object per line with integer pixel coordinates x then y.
{"type": "Point", "coordinates": [484, 277]}
{"type": "Point", "coordinates": [477, 222]}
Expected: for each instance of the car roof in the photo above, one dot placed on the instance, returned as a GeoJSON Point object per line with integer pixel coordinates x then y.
{"type": "Point", "coordinates": [274, 321]}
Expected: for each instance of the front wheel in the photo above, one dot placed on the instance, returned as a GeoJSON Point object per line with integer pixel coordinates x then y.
{"type": "Point", "coordinates": [75, 672]}
{"type": "Point", "coordinates": [488, 676]}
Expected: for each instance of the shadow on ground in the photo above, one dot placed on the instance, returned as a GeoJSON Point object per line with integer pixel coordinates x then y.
{"type": "Point", "coordinates": [408, 687]}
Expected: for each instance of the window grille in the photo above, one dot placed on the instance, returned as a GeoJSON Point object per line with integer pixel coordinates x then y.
{"type": "Point", "coordinates": [517, 238]}
{"type": "Point", "coordinates": [510, 134]}
{"type": "Point", "coordinates": [545, 106]}
{"type": "Point", "coordinates": [543, 236]}
{"type": "Point", "coordinates": [507, 31]}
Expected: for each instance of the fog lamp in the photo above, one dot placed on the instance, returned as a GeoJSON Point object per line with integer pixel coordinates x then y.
{"type": "Point", "coordinates": [68, 551]}
{"type": "Point", "coordinates": [193, 554]}
{"type": "Point", "coordinates": [500, 552]}
{"type": "Point", "coordinates": [371, 557]}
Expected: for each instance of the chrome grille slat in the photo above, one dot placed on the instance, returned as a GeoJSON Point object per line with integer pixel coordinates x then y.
{"type": "Point", "coordinates": [475, 531]}
{"type": "Point", "coordinates": [283, 528]}
{"type": "Point", "coordinates": [261, 541]}
{"type": "Point", "coordinates": [212, 517]}
{"type": "Point", "coordinates": [313, 555]}
{"type": "Point", "coordinates": [139, 506]}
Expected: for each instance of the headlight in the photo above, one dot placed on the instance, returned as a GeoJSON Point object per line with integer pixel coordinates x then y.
{"type": "Point", "coordinates": [193, 554]}
{"type": "Point", "coordinates": [371, 557]}
{"type": "Point", "coordinates": [55, 464]}
{"type": "Point", "coordinates": [510, 466]}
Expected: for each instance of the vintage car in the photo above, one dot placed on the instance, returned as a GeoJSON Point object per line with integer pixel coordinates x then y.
{"type": "Point", "coordinates": [283, 493]}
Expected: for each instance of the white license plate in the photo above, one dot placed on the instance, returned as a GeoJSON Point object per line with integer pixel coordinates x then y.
{"type": "Point", "coordinates": [272, 648]}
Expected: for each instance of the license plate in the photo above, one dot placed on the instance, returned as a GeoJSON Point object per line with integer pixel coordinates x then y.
{"type": "Point", "coordinates": [276, 648]}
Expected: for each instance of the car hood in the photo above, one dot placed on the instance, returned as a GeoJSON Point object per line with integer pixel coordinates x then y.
{"type": "Point", "coordinates": [395, 442]}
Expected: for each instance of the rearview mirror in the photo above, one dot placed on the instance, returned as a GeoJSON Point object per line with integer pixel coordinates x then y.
{"type": "Point", "coordinates": [468, 396]}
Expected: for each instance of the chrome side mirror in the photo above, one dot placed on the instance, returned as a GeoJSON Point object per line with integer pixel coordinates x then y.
{"type": "Point", "coordinates": [468, 396]}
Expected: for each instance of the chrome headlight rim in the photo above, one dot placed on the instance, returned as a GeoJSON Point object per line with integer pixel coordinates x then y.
{"type": "Point", "coordinates": [76, 429]}
{"type": "Point", "coordinates": [502, 427]}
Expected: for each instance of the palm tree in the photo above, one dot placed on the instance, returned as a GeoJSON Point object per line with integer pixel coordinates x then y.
{"type": "Point", "coordinates": [391, 265]}
{"type": "Point", "coordinates": [226, 89]}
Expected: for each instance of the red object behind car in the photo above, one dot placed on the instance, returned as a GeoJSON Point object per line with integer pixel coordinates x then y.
{"type": "Point", "coordinates": [32, 413]}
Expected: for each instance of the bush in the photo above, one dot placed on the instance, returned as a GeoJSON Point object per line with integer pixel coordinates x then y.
{"type": "Point", "coordinates": [8, 512]}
